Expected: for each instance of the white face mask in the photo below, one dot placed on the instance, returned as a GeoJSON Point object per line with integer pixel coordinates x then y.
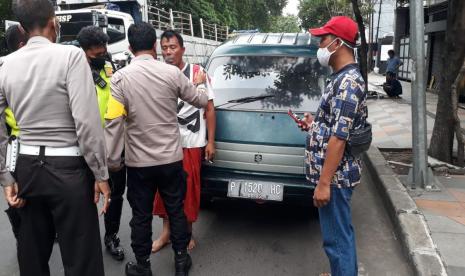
{"type": "Point", "coordinates": [323, 54]}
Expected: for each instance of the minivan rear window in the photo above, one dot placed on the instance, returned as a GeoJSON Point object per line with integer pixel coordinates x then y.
{"type": "Point", "coordinates": [284, 81]}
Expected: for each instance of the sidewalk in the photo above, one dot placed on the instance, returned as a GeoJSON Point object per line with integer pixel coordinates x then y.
{"type": "Point", "coordinates": [444, 211]}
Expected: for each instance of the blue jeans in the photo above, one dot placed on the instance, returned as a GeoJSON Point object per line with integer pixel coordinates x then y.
{"type": "Point", "coordinates": [338, 233]}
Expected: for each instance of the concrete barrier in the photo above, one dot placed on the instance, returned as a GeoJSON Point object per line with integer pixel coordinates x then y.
{"type": "Point", "coordinates": [408, 220]}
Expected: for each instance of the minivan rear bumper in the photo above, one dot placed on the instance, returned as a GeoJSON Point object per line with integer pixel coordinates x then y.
{"type": "Point", "coordinates": [215, 183]}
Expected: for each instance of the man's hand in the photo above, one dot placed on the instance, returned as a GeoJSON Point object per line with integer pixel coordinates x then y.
{"type": "Point", "coordinates": [11, 196]}
{"type": "Point", "coordinates": [200, 78]}
{"type": "Point", "coordinates": [102, 187]}
{"type": "Point", "coordinates": [210, 151]}
{"type": "Point", "coordinates": [322, 194]}
{"type": "Point", "coordinates": [306, 122]}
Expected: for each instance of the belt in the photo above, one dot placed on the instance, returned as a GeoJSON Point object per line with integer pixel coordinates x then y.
{"type": "Point", "coordinates": [50, 151]}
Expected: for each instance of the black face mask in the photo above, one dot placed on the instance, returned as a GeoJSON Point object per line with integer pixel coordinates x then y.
{"type": "Point", "coordinates": [98, 62]}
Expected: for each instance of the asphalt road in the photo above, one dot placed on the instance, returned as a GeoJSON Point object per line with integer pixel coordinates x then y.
{"type": "Point", "coordinates": [244, 238]}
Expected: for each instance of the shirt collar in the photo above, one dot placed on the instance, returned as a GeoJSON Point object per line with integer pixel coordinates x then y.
{"type": "Point", "coordinates": [143, 57]}
{"type": "Point", "coordinates": [345, 68]}
{"type": "Point", "coordinates": [185, 67]}
{"type": "Point", "coordinates": [38, 39]}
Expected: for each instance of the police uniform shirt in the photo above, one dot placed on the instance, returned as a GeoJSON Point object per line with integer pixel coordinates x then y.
{"type": "Point", "coordinates": [142, 113]}
{"type": "Point", "coordinates": [50, 89]}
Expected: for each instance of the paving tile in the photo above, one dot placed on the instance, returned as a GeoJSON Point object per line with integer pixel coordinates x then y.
{"type": "Point", "coordinates": [455, 182]}
{"type": "Point", "coordinates": [457, 194]}
{"type": "Point", "coordinates": [445, 208]}
{"type": "Point", "coordinates": [460, 220]}
{"type": "Point", "coordinates": [380, 134]}
{"type": "Point", "coordinates": [434, 196]}
{"type": "Point", "coordinates": [455, 270]}
{"type": "Point", "coordinates": [399, 131]}
{"type": "Point", "coordinates": [451, 247]}
{"type": "Point", "coordinates": [442, 224]}
{"type": "Point", "coordinates": [387, 145]}
{"type": "Point", "coordinates": [392, 128]}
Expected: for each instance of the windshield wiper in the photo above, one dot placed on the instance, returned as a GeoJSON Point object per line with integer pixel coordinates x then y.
{"type": "Point", "coordinates": [250, 99]}
{"type": "Point", "coordinates": [247, 100]}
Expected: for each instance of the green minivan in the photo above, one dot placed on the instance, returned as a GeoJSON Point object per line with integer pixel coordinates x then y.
{"type": "Point", "coordinates": [257, 78]}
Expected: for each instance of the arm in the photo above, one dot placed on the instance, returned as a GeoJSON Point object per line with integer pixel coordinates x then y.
{"type": "Point", "coordinates": [400, 63]}
{"type": "Point", "coordinates": [189, 93]}
{"type": "Point", "coordinates": [114, 128]}
{"type": "Point", "coordinates": [10, 188]}
{"type": "Point", "coordinates": [211, 128]}
{"type": "Point", "coordinates": [84, 109]}
{"type": "Point", "coordinates": [344, 107]}
{"type": "Point", "coordinates": [334, 155]}
{"type": "Point", "coordinates": [6, 179]}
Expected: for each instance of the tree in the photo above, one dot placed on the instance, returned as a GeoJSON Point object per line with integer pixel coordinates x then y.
{"type": "Point", "coordinates": [237, 14]}
{"type": "Point", "coordinates": [314, 13]}
{"type": "Point", "coordinates": [284, 24]}
{"type": "Point", "coordinates": [364, 45]}
{"type": "Point", "coordinates": [5, 14]}
{"type": "Point", "coordinates": [441, 144]}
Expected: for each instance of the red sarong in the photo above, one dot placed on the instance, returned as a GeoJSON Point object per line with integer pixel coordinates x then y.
{"type": "Point", "coordinates": [192, 162]}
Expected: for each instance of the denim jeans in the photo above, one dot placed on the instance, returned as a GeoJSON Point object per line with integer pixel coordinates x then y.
{"type": "Point", "coordinates": [338, 233]}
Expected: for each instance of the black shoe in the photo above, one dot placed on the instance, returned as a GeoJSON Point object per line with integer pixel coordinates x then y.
{"type": "Point", "coordinates": [182, 263]}
{"type": "Point", "coordinates": [133, 269]}
{"type": "Point", "coordinates": [113, 247]}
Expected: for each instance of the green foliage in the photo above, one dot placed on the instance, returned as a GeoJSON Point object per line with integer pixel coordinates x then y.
{"type": "Point", "coordinates": [237, 14]}
{"type": "Point", "coordinates": [5, 14]}
{"type": "Point", "coordinates": [285, 24]}
{"type": "Point", "coordinates": [314, 13]}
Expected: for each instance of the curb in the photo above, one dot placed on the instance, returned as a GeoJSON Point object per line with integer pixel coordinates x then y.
{"type": "Point", "coordinates": [409, 223]}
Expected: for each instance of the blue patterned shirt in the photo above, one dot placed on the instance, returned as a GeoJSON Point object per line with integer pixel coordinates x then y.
{"type": "Point", "coordinates": [342, 109]}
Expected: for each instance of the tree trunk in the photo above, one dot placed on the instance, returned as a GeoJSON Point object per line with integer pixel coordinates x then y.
{"type": "Point", "coordinates": [441, 144]}
{"type": "Point", "coordinates": [457, 127]}
{"type": "Point", "coordinates": [364, 46]}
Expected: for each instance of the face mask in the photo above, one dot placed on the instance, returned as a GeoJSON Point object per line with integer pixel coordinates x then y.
{"type": "Point", "coordinates": [98, 62]}
{"type": "Point", "coordinates": [323, 54]}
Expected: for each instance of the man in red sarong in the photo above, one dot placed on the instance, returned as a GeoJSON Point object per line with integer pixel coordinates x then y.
{"type": "Point", "coordinates": [194, 123]}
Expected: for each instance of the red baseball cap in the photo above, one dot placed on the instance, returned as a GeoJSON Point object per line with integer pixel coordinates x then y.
{"type": "Point", "coordinates": [340, 26]}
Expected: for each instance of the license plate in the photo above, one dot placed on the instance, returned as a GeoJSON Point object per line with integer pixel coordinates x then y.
{"type": "Point", "coordinates": [255, 190]}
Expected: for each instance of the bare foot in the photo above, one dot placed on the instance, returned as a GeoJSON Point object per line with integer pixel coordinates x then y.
{"type": "Point", "coordinates": [159, 244]}
{"type": "Point", "coordinates": [191, 245]}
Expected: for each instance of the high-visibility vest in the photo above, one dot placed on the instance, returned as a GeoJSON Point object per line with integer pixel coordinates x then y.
{"type": "Point", "coordinates": [11, 122]}
{"type": "Point", "coordinates": [103, 94]}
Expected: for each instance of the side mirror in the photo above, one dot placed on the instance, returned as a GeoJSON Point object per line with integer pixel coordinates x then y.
{"type": "Point", "coordinates": [101, 20]}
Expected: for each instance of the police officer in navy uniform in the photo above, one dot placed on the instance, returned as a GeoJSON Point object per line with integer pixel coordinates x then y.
{"type": "Point", "coordinates": [61, 170]}
{"type": "Point", "coordinates": [94, 43]}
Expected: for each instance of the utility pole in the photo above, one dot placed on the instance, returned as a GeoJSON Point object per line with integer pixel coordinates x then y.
{"type": "Point", "coordinates": [420, 174]}
{"type": "Point", "coordinates": [377, 32]}
{"type": "Point", "coordinates": [372, 29]}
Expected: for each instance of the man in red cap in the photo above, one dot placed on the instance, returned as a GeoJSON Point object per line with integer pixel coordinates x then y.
{"type": "Point", "coordinates": [330, 164]}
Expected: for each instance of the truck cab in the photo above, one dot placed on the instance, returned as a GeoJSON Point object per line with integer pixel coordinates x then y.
{"type": "Point", "coordinates": [115, 24]}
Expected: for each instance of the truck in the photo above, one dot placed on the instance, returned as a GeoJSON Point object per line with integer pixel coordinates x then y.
{"type": "Point", "coordinates": [114, 23]}
{"type": "Point", "coordinates": [138, 9]}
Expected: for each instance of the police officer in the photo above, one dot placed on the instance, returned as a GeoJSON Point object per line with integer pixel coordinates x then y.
{"type": "Point", "coordinates": [61, 170]}
{"type": "Point", "coordinates": [94, 43]}
{"type": "Point", "coordinates": [15, 38]}
{"type": "Point", "coordinates": [141, 119]}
